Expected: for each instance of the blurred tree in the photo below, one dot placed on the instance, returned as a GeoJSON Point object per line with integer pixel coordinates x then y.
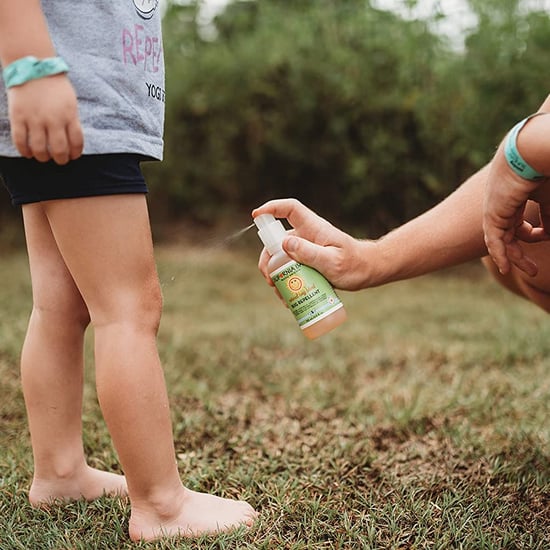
{"type": "Point", "coordinates": [363, 115]}
{"type": "Point", "coordinates": [500, 73]}
{"type": "Point", "coordinates": [314, 99]}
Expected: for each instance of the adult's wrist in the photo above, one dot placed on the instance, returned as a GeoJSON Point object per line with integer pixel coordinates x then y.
{"type": "Point", "coordinates": [374, 265]}
{"type": "Point", "coordinates": [534, 143]}
{"type": "Point", "coordinates": [527, 148]}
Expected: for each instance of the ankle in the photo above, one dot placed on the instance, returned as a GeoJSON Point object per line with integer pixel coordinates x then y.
{"type": "Point", "coordinates": [60, 469]}
{"type": "Point", "coordinates": [161, 505]}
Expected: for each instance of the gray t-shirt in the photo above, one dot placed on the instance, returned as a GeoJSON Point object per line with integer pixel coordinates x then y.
{"type": "Point", "coordinates": [115, 57]}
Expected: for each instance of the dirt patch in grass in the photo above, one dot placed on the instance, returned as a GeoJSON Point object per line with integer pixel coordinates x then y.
{"type": "Point", "coordinates": [433, 466]}
{"type": "Point", "coordinates": [305, 463]}
{"type": "Point", "coordinates": [430, 456]}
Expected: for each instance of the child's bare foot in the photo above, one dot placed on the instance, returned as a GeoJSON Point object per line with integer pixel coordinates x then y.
{"type": "Point", "coordinates": [89, 484]}
{"type": "Point", "coordinates": [197, 514]}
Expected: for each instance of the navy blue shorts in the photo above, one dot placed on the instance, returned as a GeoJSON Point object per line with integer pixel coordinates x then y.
{"type": "Point", "coordinates": [28, 180]}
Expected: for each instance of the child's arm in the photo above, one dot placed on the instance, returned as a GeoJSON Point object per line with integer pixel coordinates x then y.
{"type": "Point", "coordinates": [43, 112]}
{"type": "Point", "coordinates": [23, 31]}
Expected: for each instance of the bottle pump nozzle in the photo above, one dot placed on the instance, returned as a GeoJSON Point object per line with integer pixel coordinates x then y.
{"type": "Point", "coordinates": [270, 231]}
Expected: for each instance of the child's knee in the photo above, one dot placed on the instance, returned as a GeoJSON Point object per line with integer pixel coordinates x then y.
{"type": "Point", "coordinates": [66, 309]}
{"type": "Point", "coordinates": [152, 306]}
{"type": "Point", "coordinates": [141, 307]}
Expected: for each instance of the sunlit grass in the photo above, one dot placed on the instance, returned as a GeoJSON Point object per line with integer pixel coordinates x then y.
{"type": "Point", "coordinates": [420, 423]}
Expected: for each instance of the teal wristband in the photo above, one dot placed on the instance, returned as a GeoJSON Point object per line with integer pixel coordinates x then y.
{"type": "Point", "coordinates": [514, 159]}
{"type": "Point", "coordinates": [30, 68]}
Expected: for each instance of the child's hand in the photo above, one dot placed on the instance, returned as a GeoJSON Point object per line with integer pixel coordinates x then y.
{"type": "Point", "coordinates": [44, 119]}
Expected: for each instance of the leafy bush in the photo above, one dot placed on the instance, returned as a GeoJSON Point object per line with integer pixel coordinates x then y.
{"type": "Point", "coordinates": [317, 100]}
{"type": "Point", "coordinates": [365, 116]}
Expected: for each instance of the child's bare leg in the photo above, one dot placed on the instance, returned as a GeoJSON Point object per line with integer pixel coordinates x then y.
{"type": "Point", "coordinates": [112, 262]}
{"type": "Point", "coordinates": [52, 375]}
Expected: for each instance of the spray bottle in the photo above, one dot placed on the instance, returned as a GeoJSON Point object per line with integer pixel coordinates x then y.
{"type": "Point", "coordinates": [309, 296]}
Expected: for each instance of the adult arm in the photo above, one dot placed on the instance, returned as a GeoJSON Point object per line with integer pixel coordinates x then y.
{"type": "Point", "coordinates": [448, 234]}
{"type": "Point", "coordinates": [507, 194]}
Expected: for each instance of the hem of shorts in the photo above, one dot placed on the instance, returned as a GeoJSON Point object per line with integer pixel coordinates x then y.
{"type": "Point", "coordinates": [96, 144]}
{"type": "Point", "coordinates": [82, 193]}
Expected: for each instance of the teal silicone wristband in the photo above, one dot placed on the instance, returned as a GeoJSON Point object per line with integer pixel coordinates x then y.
{"type": "Point", "coordinates": [30, 68]}
{"type": "Point", "coordinates": [514, 159]}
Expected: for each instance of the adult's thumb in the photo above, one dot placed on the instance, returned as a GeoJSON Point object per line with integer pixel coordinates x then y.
{"type": "Point", "coordinates": [303, 251]}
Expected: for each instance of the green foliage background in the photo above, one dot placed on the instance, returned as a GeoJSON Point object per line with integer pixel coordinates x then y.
{"type": "Point", "coordinates": [363, 115]}
{"type": "Point", "coordinates": [366, 116]}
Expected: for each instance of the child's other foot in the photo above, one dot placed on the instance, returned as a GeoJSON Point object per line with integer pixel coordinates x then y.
{"type": "Point", "coordinates": [88, 484]}
{"type": "Point", "coordinates": [199, 514]}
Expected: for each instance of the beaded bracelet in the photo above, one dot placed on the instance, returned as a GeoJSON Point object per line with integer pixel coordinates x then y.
{"type": "Point", "coordinates": [514, 159]}
{"type": "Point", "coordinates": [30, 68]}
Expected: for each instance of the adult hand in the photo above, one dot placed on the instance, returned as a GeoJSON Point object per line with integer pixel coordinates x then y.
{"type": "Point", "coordinates": [44, 119]}
{"type": "Point", "coordinates": [504, 222]}
{"type": "Point", "coordinates": [317, 243]}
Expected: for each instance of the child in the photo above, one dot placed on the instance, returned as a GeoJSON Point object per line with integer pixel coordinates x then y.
{"type": "Point", "coordinates": [90, 252]}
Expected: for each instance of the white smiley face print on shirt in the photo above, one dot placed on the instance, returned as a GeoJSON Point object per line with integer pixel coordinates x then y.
{"type": "Point", "coordinates": [146, 8]}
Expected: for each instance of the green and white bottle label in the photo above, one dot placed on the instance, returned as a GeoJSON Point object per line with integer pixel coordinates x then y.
{"type": "Point", "coordinates": [308, 294]}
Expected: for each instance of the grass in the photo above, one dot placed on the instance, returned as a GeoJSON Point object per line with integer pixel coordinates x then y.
{"type": "Point", "coordinates": [420, 423]}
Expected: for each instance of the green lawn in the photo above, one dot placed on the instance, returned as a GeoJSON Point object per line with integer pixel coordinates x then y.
{"type": "Point", "coordinates": [420, 423]}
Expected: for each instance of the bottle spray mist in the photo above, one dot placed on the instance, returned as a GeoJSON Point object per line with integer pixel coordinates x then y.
{"type": "Point", "coordinates": [309, 296]}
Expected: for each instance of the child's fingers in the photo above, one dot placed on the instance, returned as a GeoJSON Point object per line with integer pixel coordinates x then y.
{"type": "Point", "coordinates": [44, 120]}
{"type": "Point", "coordinates": [58, 145]}
{"type": "Point", "coordinates": [66, 143]}
{"type": "Point", "coordinates": [19, 138]}
{"type": "Point", "coordinates": [76, 138]}
{"type": "Point", "coordinates": [38, 143]}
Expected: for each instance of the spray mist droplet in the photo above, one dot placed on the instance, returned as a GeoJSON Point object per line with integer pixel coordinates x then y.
{"type": "Point", "coordinates": [239, 233]}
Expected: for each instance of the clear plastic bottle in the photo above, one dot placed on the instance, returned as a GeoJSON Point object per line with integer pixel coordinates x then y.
{"type": "Point", "coordinates": [309, 296]}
